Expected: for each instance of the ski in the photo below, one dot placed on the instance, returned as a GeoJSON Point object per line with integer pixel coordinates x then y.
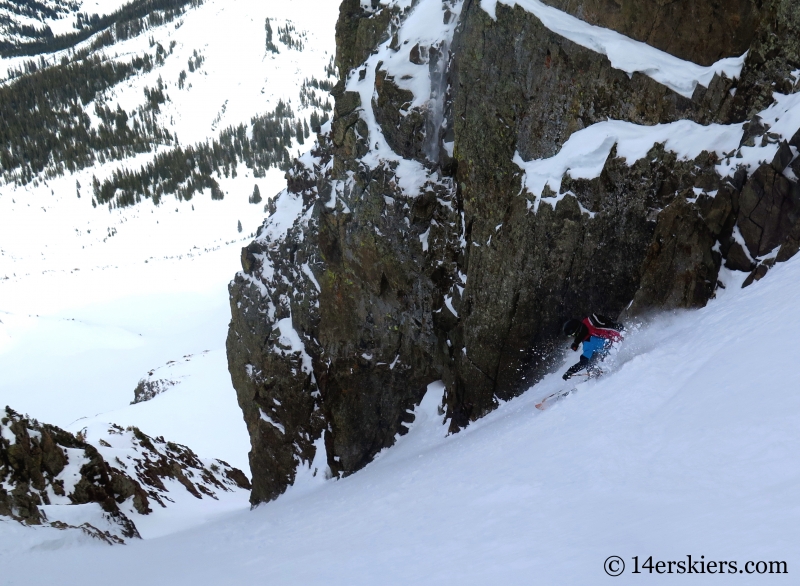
{"type": "Point", "coordinates": [558, 395]}
{"type": "Point", "coordinates": [554, 397]}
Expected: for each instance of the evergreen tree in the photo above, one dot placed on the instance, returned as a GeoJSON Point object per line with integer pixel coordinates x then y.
{"type": "Point", "coordinates": [287, 133]}
{"type": "Point", "coordinates": [239, 226]}
{"type": "Point", "coordinates": [256, 197]}
{"type": "Point", "coordinates": [271, 47]}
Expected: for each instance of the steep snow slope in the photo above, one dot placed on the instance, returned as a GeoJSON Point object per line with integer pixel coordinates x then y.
{"type": "Point", "coordinates": [687, 447]}
{"type": "Point", "coordinates": [669, 455]}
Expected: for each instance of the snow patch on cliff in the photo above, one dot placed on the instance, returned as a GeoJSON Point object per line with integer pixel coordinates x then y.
{"type": "Point", "coordinates": [584, 154]}
{"type": "Point", "coordinates": [290, 342]}
{"type": "Point", "coordinates": [626, 54]}
{"type": "Point", "coordinates": [272, 422]}
{"type": "Point", "coordinates": [426, 26]}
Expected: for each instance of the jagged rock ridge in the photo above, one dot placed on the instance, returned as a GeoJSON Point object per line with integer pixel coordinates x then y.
{"type": "Point", "coordinates": [123, 473]}
{"type": "Point", "coordinates": [407, 249]}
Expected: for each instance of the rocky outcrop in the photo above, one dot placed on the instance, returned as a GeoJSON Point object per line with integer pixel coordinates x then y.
{"type": "Point", "coordinates": [162, 379]}
{"type": "Point", "coordinates": [148, 389]}
{"type": "Point", "coordinates": [768, 209]}
{"type": "Point", "coordinates": [681, 267]}
{"type": "Point", "coordinates": [408, 249]}
{"type": "Point", "coordinates": [122, 472]}
{"type": "Point", "coordinates": [358, 31]}
{"type": "Point", "coordinates": [405, 131]}
{"type": "Point", "coordinates": [33, 459]}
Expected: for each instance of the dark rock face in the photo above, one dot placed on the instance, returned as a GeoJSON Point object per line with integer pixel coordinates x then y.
{"type": "Point", "coordinates": [366, 319]}
{"type": "Point", "coordinates": [537, 88]}
{"type": "Point", "coordinates": [358, 32]}
{"type": "Point", "coordinates": [273, 380]}
{"type": "Point", "coordinates": [737, 259]}
{"type": "Point", "coordinates": [348, 126]}
{"type": "Point", "coordinates": [349, 308]}
{"type": "Point", "coordinates": [680, 269]}
{"type": "Point", "coordinates": [774, 53]}
{"type": "Point", "coordinates": [768, 208]}
{"type": "Point", "coordinates": [379, 291]}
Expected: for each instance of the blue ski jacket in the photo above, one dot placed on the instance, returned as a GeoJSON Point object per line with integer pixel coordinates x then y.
{"type": "Point", "coordinates": [592, 345]}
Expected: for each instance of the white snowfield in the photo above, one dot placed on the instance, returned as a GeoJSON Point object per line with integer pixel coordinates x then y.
{"type": "Point", "coordinates": [73, 347]}
{"type": "Point", "coordinates": [687, 447]}
{"type": "Point", "coordinates": [626, 54]}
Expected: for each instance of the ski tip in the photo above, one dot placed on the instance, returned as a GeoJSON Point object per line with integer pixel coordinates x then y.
{"type": "Point", "coordinates": [540, 406]}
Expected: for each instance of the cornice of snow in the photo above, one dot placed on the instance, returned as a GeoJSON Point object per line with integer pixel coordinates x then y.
{"type": "Point", "coordinates": [585, 153]}
{"type": "Point", "coordinates": [626, 54]}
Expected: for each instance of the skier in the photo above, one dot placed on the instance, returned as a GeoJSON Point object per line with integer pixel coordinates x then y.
{"type": "Point", "coordinates": [597, 333]}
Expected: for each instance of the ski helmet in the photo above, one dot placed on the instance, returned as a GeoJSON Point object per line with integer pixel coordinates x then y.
{"type": "Point", "coordinates": [571, 327]}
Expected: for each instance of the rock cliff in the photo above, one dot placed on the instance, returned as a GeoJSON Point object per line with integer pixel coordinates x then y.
{"type": "Point", "coordinates": [418, 241]}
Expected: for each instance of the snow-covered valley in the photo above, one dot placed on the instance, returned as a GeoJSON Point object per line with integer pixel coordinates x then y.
{"type": "Point", "coordinates": [93, 297]}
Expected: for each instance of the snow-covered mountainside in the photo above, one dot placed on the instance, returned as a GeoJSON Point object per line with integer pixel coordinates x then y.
{"type": "Point", "coordinates": [482, 171]}
{"type": "Point", "coordinates": [98, 289]}
{"type": "Point", "coordinates": [169, 97]}
{"type": "Point", "coordinates": [24, 23]}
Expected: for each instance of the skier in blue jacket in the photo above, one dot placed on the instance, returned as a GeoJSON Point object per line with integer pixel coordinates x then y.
{"type": "Point", "coordinates": [597, 333]}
